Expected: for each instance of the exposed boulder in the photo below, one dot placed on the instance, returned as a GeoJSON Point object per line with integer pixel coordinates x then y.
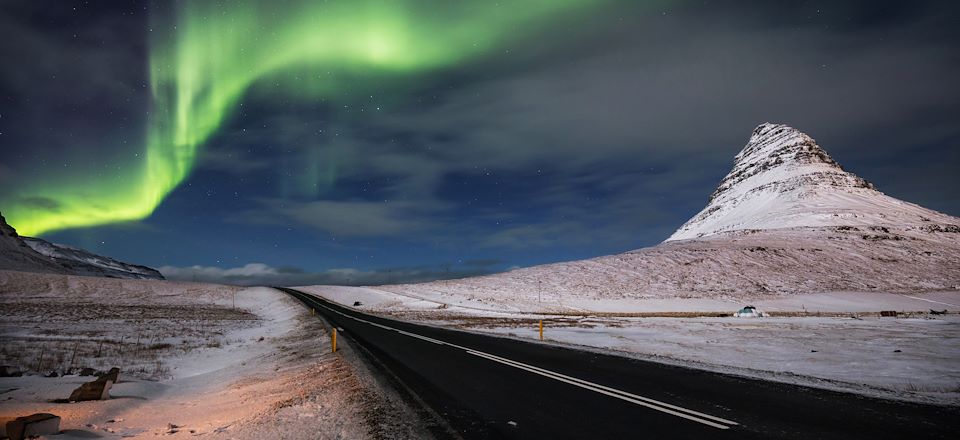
{"type": "Point", "coordinates": [98, 389]}
{"type": "Point", "coordinates": [33, 425]}
{"type": "Point", "coordinates": [10, 371]}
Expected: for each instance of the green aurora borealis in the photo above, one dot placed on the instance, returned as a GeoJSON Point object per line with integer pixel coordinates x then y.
{"type": "Point", "coordinates": [205, 56]}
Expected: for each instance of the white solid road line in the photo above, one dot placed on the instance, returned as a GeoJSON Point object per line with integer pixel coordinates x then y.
{"type": "Point", "coordinates": [598, 389]}
{"type": "Point", "coordinates": [664, 407]}
{"type": "Point", "coordinates": [601, 388]}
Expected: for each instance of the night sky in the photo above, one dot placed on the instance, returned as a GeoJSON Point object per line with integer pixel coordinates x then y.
{"type": "Point", "coordinates": [363, 142]}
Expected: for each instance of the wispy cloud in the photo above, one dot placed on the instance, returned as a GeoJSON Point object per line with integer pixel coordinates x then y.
{"type": "Point", "coordinates": [259, 274]}
{"type": "Point", "coordinates": [347, 218]}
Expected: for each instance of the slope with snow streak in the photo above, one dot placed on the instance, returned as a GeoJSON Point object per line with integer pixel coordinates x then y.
{"type": "Point", "coordinates": [36, 255]}
{"type": "Point", "coordinates": [16, 255]}
{"type": "Point", "coordinates": [783, 179]}
{"type": "Point", "coordinates": [81, 262]}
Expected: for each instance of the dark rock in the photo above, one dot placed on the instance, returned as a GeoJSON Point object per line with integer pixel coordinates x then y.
{"type": "Point", "coordinates": [112, 375]}
{"type": "Point", "coordinates": [10, 371]}
{"type": "Point", "coordinates": [33, 425]}
{"type": "Point", "coordinates": [98, 389]}
{"type": "Point", "coordinates": [87, 371]}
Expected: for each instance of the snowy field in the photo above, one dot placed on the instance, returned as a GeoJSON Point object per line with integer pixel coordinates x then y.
{"type": "Point", "coordinates": [726, 268]}
{"type": "Point", "coordinates": [915, 356]}
{"type": "Point", "coordinates": [216, 361]}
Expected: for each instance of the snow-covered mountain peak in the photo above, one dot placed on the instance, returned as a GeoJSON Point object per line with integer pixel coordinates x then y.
{"type": "Point", "coordinates": [783, 179]}
{"type": "Point", "coordinates": [779, 155]}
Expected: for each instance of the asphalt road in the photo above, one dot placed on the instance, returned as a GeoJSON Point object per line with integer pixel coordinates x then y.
{"type": "Point", "coordinates": [489, 387]}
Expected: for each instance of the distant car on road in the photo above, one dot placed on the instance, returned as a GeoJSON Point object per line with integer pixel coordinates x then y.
{"type": "Point", "coordinates": [357, 303]}
{"type": "Point", "coordinates": [749, 312]}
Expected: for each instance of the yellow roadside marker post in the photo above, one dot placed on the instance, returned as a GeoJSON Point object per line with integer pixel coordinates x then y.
{"type": "Point", "coordinates": [333, 339]}
{"type": "Point", "coordinates": [540, 304]}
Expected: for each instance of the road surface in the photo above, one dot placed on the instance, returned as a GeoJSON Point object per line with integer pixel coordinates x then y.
{"type": "Point", "coordinates": [489, 387]}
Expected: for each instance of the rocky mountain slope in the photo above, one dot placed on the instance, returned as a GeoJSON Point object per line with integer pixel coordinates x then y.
{"type": "Point", "coordinates": [36, 255]}
{"type": "Point", "coordinates": [16, 255]}
{"type": "Point", "coordinates": [786, 220]}
{"type": "Point", "coordinates": [783, 179]}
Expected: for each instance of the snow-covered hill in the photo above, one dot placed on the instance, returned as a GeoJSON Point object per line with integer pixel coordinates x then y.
{"type": "Point", "coordinates": [783, 179]}
{"type": "Point", "coordinates": [35, 255]}
{"type": "Point", "coordinates": [16, 255]}
{"type": "Point", "coordinates": [81, 262]}
{"type": "Point", "coordinates": [787, 220]}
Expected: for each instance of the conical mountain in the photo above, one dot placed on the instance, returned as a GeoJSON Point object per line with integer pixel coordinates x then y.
{"type": "Point", "coordinates": [783, 179]}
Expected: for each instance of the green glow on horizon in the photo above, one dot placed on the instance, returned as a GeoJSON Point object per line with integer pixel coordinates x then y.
{"type": "Point", "coordinates": [205, 58]}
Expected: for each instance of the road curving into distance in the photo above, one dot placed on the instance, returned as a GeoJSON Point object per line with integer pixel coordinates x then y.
{"type": "Point", "coordinates": [489, 387]}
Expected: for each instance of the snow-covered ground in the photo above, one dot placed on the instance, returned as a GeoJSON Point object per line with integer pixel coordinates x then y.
{"type": "Point", "coordinates": [428, 300]}
{"type": "Point", "coordinates": [736, 266]}
{"type": "Point", "coordinates": [217, 361]}
{"type": "Point", "coordinates": [847, 347]}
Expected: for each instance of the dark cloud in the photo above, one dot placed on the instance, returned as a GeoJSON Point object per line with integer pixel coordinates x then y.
{"type": "Point", "coordinates": [75, 83]}
{"type": "Point", "coordinates": [347, 218]}
{"type": "Point", "coordinates": [575, 143]}
{"type": "Point", "coordinates": [231, 160]}
{"type": "Point", "coordinates": [650, 124]}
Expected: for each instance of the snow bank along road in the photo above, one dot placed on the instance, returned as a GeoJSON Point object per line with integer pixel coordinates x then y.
{"type": "Point", "coordinates": [489, 387]}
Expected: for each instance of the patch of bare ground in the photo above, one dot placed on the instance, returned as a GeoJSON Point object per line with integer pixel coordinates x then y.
{"type": "Point", "coordinates": [64, 337]}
